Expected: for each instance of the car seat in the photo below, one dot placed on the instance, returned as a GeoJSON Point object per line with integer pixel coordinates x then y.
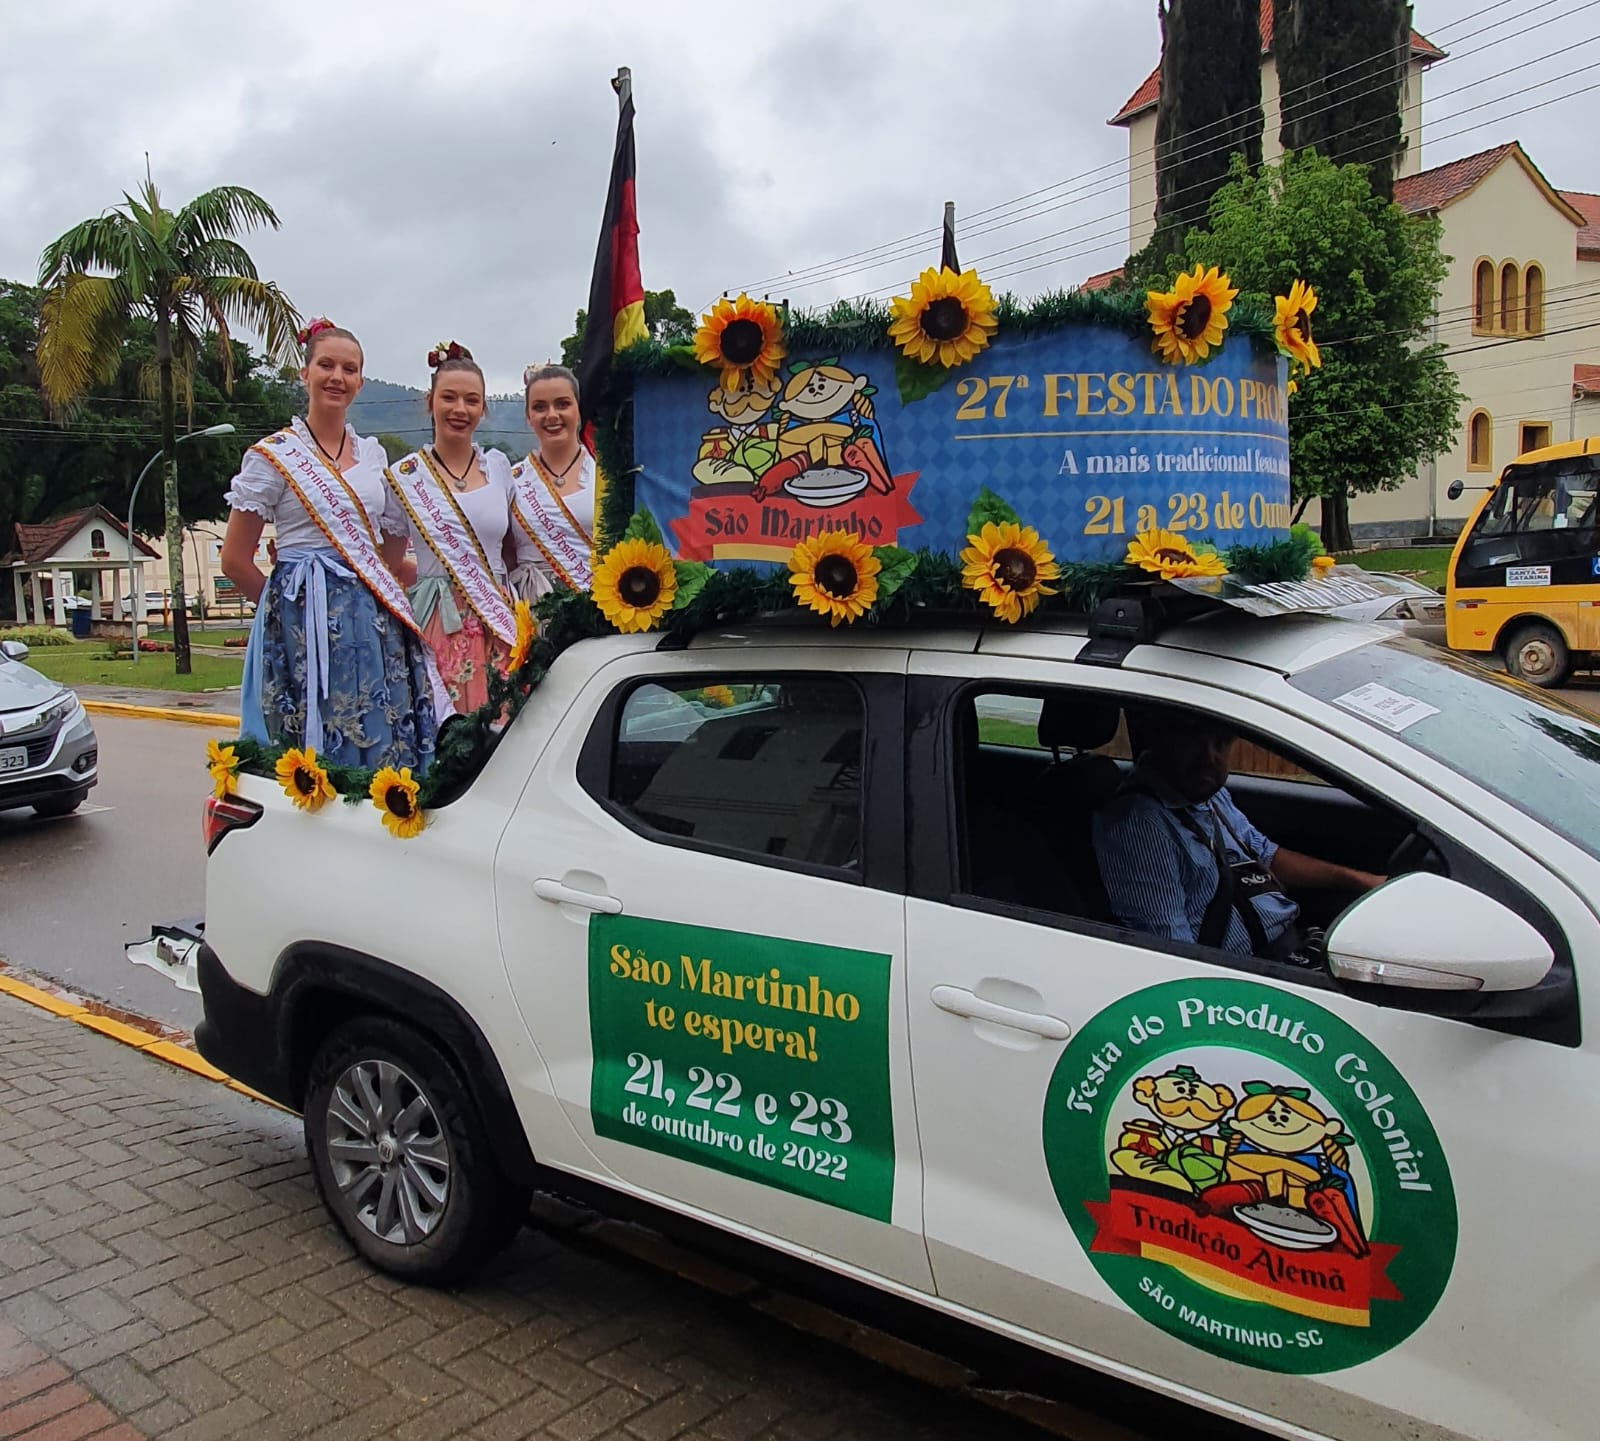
{"type": "Point", "coordinates": [1074, 787]}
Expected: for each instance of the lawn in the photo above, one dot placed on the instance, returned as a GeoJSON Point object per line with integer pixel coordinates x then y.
{"type": "Point", "coordinates": [204, 637]}
{"type": "Point", "coordinates": [83, 663]}
{"type": "Point", "coordinates": [1426, 563]}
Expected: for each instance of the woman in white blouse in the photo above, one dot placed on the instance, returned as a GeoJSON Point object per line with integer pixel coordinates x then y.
{"type": "Point", "coordinates": [335, 662]}
{"type": "Point", "coordinates": [453, 499]}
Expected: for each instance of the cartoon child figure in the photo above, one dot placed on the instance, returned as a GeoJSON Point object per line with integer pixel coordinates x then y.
{"type": "Point", "coordinates": [1279, 1138]}
{"type": "Point", "coordinates": [745, 444]}
{"type": "Point", "coordinates": [1175, 1150]}
{"type": "Point", "coordinates": [828, 423]}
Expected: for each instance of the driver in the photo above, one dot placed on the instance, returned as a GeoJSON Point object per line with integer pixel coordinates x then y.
{"type": "Point", "coordinates": [1180, 860]}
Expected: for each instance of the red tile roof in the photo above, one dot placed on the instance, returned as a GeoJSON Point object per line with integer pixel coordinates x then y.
{"type": "Point", "coordinates": [40, 542]}
{"type": "Point", "coordinates": [1103, 280]}
{"type": "Point", "coordinates": [1587, 206]}
{"type": "Point", "coordinates": [1432, 189]}
{"type": "Point", "coordinates": [1586, 378]}
{"type": "Point", "coordinates": [1149, 92]}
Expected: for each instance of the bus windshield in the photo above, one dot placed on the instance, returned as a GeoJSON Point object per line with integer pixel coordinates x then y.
{"type": "Point", "coordinates": [1535, 752]}
{"type": "Point", "coordinates": [1539, 515]}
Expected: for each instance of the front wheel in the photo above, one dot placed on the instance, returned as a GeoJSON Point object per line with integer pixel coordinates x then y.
{"type": "Point", "coordinates": [1537, 653]}
{"type": "Point", "coordinates": [400, 1156]}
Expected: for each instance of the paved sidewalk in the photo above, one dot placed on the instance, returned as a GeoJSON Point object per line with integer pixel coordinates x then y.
{"type": "Point", "coordinates": [166, 1271]}
{"type": "Point", "coordinates": [223, 702]}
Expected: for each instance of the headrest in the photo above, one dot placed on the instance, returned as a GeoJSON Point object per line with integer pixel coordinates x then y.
{"type": "Point", "coordinates": [1078, 722]}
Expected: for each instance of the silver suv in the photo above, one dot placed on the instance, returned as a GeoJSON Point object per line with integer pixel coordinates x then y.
{"type": "Point", "coordinates": [49, 757]}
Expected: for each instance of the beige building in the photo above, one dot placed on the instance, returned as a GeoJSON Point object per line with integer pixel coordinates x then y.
{"type": "Point", "coordinates": [1523, 285]}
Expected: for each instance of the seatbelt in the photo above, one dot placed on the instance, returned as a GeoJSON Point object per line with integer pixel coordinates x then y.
{"type": "Point", "coordinates": [1224, 900]}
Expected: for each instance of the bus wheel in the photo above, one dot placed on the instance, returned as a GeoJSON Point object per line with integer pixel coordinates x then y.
{"type": "Point", "coordinates": [1537, 654]}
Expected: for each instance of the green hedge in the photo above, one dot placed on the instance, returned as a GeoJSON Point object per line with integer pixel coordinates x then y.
{"type": "Point", "coordinates": [36, 635]}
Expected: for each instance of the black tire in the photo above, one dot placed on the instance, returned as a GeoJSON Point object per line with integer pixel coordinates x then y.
{"type": "Point", "coordinates": [1537, 653]}
{"type": "Point", "coordinates": [428, 1204]}
{"type": "Point", "coordinates": [60, 806]}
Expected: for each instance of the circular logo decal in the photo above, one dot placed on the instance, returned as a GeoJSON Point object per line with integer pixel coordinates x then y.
{"type": "Point", "coordinates": [1248, 1173]}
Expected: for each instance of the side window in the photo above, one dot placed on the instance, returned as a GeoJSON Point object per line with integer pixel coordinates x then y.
{"type": "Point", "coordinates": [770, 768]}
{"type": "Point", "coordinates": [1038, 768]}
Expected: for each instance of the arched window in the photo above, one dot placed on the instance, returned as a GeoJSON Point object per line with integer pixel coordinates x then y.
{"type": "Point", "coordinates": [1480, 441]}
{"type": "Point", "coordinates": [1533, 300]}
{"type": "Point", "coordinates": [1510, 298]}
{"type": "Point", "coordinates": [97, 540]}
{"type": "Point", "coordinates": [1483, 296]}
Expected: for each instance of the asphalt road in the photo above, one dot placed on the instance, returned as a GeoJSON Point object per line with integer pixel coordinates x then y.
{"type": "Point", "coordinates": [74, 891]}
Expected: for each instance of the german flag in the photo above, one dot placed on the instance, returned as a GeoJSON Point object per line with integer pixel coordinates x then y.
{"type": "Point", "coordinates": [616, 293]}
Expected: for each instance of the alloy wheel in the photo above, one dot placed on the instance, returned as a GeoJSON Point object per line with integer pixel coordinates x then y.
{"type": "Point", "coordinates": [388, 1152]}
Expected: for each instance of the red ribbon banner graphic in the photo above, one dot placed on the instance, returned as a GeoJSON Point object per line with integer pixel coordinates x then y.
{"type": "Point", "coordinates": [1225, 1256]}
{"type": "Point", "coordinates": [735, 525]}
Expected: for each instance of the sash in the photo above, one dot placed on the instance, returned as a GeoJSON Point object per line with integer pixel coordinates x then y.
{"type": "Point", "coordinates": [337, 512]}
{"type": "Point", "coordinates": [544, 517]}
{"type": "Point", "coordinates": [447, 532]}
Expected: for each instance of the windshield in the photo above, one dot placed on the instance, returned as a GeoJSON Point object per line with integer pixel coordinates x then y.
{"type": "Point", "coordinates": [1537, 753]}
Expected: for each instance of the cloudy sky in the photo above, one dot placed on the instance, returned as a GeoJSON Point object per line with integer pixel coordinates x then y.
{"type": "Point", "coordinates": [439, 169]}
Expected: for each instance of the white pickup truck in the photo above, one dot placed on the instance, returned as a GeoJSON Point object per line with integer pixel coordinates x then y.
{"type": "Point", "coordinates": [807, 939]}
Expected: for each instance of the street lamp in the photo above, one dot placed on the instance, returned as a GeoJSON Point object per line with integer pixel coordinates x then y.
{"type": "Point", "coordinates": [133, 614]}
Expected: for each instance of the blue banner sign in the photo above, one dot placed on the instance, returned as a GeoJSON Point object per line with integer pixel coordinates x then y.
{"type": "Point", "coordinates": [1081, 430]}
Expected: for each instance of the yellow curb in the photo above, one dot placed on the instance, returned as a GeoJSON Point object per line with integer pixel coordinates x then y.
{"type": "Point", "coordinates": [174, 1054]}
{"type": "Point", "coordinates": [117, 1030]}
{"type": "Point", "coordinates": [245, 1090]}
{"type": "Point", "coordinates": [151, 712]}
{"type": "Point", "coordinates": [43, 999]}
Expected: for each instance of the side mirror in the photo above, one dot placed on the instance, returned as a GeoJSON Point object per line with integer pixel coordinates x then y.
{"type": "Point", "coordinates": [1424, 932]}
{"type": "Point", "coordinates": [1454, 490]}
{"type": "Point", "coordinates": [14, 649]}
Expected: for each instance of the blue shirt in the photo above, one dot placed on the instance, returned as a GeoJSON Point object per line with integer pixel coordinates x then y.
{"type": "Point", "coordinates": [1160, 876]}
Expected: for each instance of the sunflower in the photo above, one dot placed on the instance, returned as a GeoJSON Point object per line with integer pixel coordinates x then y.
{"type": "Point", "coordinates": [719, 695]}
{"type": "Point", "coordinates": [224, 767]}
{"type": "Point", "coordinates": [1292, 325]}
{"type": "Point", "coordinates": [947, 318]}
{"type": "Point", "coordinates": [1007, 564]}
{"type": "Point", "coordinates": [835, 574]}
{"type": "Point", "coordinates": [635, 584]}
{"type": "Point", "coordinates": [1189, 319]}
{"type": "Point", "coordinates": [523, 644]}
{"type": "Point", "coordinates": [1322, 564]}
{"type": "Point", "coordinates": [744, 339]}
{"type": "Point", "coordinates": [1293, 388]}
{"type": "Point", "coordinates": [1169, 555]}
{"type": "Point", "coordinates": [303, 780]}
{"type": "Point", "coordinates": [395, 794]}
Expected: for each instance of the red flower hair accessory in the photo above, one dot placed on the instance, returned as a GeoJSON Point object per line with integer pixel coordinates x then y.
{"type": "Point", "coordinates": [447, 350]}
{"type": "Point", "coordinates": [316, 327]}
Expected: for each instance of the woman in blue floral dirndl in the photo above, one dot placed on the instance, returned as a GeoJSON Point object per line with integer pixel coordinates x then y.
{"type": "Point", "coordinates": [336, 663]}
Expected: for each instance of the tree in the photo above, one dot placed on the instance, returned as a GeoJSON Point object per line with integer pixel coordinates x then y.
{"type": "Point", "coordinates": [667, 321]}
{"type": "Point", "coordinates": [1341, 71]}
{"type": "Point", "coordinates": [186, 273]}
{"type": "Point", "coordinates": [394, 446]}
{"type": "Point", "coordinates": [1385, 400]}
{"type": "Point", "coordinates": [1209, 111]}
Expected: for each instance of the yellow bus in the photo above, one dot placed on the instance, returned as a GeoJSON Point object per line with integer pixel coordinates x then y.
{"type": "Point", "coordinates": [1524, 578]}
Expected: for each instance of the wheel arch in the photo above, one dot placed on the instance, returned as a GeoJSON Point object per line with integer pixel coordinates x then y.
{"type": "Point", "coordinates": [1511, 625]}
{"type": "Point", "coordinates": [318, 986]}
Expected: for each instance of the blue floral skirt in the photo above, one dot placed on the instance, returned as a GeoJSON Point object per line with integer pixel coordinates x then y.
{"type": "Point", "coordinates": [375, 706]}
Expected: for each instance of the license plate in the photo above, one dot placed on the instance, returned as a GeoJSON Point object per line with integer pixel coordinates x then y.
{"type": "Point", "coordinates": [15, 759]}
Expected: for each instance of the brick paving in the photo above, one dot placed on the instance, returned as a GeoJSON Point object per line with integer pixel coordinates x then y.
{"type": "Point", "coordinates": [167, 1271]}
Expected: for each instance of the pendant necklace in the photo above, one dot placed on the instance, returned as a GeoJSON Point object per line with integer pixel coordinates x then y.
{"type": "Point", "coordinates": [561, 475]}
{"type": "Point", "coordinates": [333, 460]}
{"type": "Point", "coordinates": [459, 481]}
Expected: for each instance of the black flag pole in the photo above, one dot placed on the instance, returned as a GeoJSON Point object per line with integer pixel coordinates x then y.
{"type": "Point", "coordinates": [948, 259]}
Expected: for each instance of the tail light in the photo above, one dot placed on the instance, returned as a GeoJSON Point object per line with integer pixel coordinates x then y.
{"type": "Point", "coordinates": [227, 815]}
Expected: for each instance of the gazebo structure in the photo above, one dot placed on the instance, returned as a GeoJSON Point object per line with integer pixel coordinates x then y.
{"type": "Point", "coordinates": [90, 540]}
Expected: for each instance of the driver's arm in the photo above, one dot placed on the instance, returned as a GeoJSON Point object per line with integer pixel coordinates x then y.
{"type": "Point", "coordinates": [1296, 871]}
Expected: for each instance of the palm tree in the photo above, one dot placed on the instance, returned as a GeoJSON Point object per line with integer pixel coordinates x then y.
{"type": "Point", "coordinates": [184, 272]}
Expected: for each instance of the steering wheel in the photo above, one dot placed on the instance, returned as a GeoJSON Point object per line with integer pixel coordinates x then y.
{"type": "Point", "coordinates": [1414, 853]}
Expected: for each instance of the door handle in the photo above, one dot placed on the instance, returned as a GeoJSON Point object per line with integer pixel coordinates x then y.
{"type": "Point", "coordinates": [963, 1003]}
{"type": "Point", "coordinates": [564, 895]}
